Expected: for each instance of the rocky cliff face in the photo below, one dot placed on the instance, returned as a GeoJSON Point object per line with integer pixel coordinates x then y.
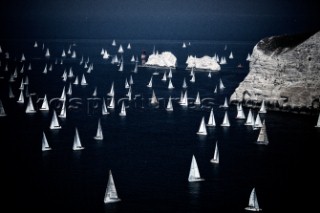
{"type": "Point", "coordinates": [285, 72]}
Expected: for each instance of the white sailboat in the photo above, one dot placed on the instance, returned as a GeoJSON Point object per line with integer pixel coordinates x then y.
{"type": "Point", "coordinates": [250, 119]}
{"type": "Point", "coordinates": [54, 121]}
{"type": "Point", "coordinates": [202, 128]}
{"type": "Point", "coordinates": [114, 43]}
{"type": "Point", "coordinates": [83, 80]}
{"type": "Point", "coordinates": [225, 104]}
{"type": "Point", "coordinates": [121, 66]}
{"type": "Point", "coordinates": [194, 174]}
{"type": "Point", "coordinates": [76, 141]}
{"type": "Point", "coordinates": [263, 107]}
{"type": "Point", "coordinates": [215, 158]}
{"type": "Point", "coordinates": [193, 78]}
{"type": "Point", "coordinates": [184, 101]}
{"type": "Point", "coordinates": [69, 92]}
{"type": "Point", "coordinates": [21, 98]}
{"type": "Point", "coordinates": [211, 120]}
{"type": "Point", "coordinates": [253, 202]}
{"type": "Point", "coordinates": [76, 81]}
{"type": "Point", "coordinates": [318, 123]}
{"type": "Point", "coordinates": [169, 105]}
{"type": "Point", "coordinates": [130, 80]}
{"type": "Point", "coordinates": [123, 110]}
{"type": "Point", "coordinates": [225, 121]}
{"type": "Point", "coordinates": [30, 107]}
{"type": "Point", "coordinates": [184, 84]}
{"type": "Point", "coordinates": [263, 136]}
{"type": "Point", "coordinates": [150, 82]}
{"type": "Point", "coordinates": [197, 101]}
{"type": "Point", "coordinates": [126, 84]}
{"type": "Point", "coordinates": [111, 92]}
{"type": "Point", "coordinates": [111, 194]}
{"type": "Point", "coordinates": [45, 144]}
{"type": "Point", "coordinates": [257, 123]}
{"type": "Point", "coordinates": [63, 94]}
{"type": "Point", "coordinates": [95, 92]}
{"type": "Point", "coordinates": [63, 112]}
{"type": "Point", "coordinates": [170, 73]}
{"type": "Point", "coordinates": [99, 134]}
{"type": "Point", "coordinates": [221, 85]}
{"type": "Point", "coordinates": [240, 113]}
{"type": "Point", "coordinates": [112, 103]}
{"type": "Point", "coordinates": [164, 77]}
{"type": "Point", "coordinates": [104, 108]}
{"type": "Point", "coordinates": [2, 111]}
{"type": "Point", "coordinates": [170, 85]}
{"type": "Point", "coordinates": [45, 105]}
{"type": "Point", "coordinates": [154, 99]}
{"type": "Point", "coordinates": [231, 55]}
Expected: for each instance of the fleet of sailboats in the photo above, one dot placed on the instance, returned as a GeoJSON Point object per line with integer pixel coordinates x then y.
{"type": "Point", "coordinates": [194, 175]}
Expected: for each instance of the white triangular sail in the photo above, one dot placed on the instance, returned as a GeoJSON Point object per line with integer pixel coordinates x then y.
{"type": "Point", "coordinates": [198, 100]}
{"type": "Point", "coordinates": [112, 103]}
{"type": "Point", "coordinates": [184, 101]}
{"type": "Point", "coordinates": [76, 141]}
{"type": "Point", "coordinates": [257, 123]}
{"type": "Point", "coordinates": [263, 107]}
{"type": "Point", "coordinates": [150, 82]}
{"type": "Point", "coordinates": [250, 119]}
{"type": "Point", "coordinates": [211, 120]}
{"type": "Point", "coordinates": [111, 93]}
{"type": "Point", "coordinates": [225, 104]}
{"type": "Point", "coordinates": [263, 136]}
{"type": "Point", "coordinates": [202, 128]}
{"type": "Point", "coordinates": [215, 158]}
{"type": "Point", "coordinates": [221, 85]}
{"type": "Point", "coordinates": [21, 98]}
{"type": "Point", "coordinates": [83, 80]}
{"type": "Point", "coordinates": [54, 121]}
{"type": "Point", "coordinates": [2, 111]}
{"type": "Point", "coordinates": [154, 99]}
{"type": "Point", "coordinates": [240, 113]}
{"type": "Point", "coordinates": [318, 123]}
{"type": "Point", "coordinates": [45, 105]}
{"type": "Point", "coordinates": [104, 108]}
{"type": "Point", "coordinates": [45, 144]}
{"type": "Point", "coordinates": [99, 134]}
{"type": "Point", "coordinates": [253, 202]}
{"type": "Point", "coordinates": [63, 112]}
{"type": "Point", "coordinates": [123, 110]}
{"type": "Point", "coordinates": [170, 85]}
{"type": "Point", "coordinates": [111, 194]}
{"type": "Point", "coordinates": [193, 78]}
{"type": "Point", "coordinates": [76, 81]}
{"type": "Point", "coordinates": [63, 94]}
{"type": "Point", "coordinates": [30, 107]}
{"type": "Point", "coordinates": [169, 105]}
{"type": "Point", "coordinates": [184, 84]}
{"type": "Point", "coordinates": [164, 77]}
{"type": "Point", "coordinates": [194, 174]}
{"type": "Point", "coordinates": [225, 121]}
{"type": "Point", "coordinates": [170, 73]}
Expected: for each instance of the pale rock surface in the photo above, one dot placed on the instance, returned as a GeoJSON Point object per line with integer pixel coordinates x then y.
{"type": "Point", "coordinates": [206, 63]}
{"type": "Point", "coordinates": [164, 59]}
{"type": "Point", "coordinates": [284, 71]}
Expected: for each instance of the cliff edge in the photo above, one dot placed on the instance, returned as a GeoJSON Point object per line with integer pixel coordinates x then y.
{"type": "Point", "coordinates": [285, 72]}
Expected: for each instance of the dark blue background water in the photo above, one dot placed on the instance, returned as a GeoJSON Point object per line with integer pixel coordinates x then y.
{"type": "Point", "coordinates": [149, 151]}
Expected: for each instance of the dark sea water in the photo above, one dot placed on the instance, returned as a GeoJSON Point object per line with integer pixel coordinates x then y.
{"type": "Point", "coordinates": [150, 150]}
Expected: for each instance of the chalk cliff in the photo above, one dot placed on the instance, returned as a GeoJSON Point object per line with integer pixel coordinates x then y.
{"type": "Point", "coordinates": [285, 72]}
